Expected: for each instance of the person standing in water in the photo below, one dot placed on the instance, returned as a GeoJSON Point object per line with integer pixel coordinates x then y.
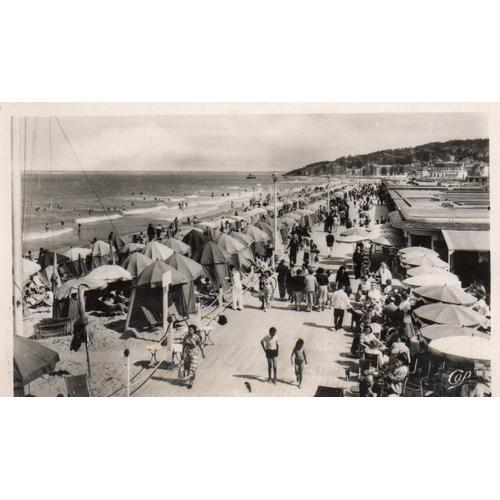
{"type": "Point", "coordinates": [271, 347]}
{"type": "Point", "coordinates": [298, 358]}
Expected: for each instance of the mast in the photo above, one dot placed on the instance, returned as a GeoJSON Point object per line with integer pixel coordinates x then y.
{"type": "Point", "coordinates": [17, 227]}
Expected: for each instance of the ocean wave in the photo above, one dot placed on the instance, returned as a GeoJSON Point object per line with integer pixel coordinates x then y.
{"type": "Point", "coordinates": [41, 235]}
{"type": "Point", "coordinates": [193, 195]}
{"type": "Point", "coordinates": [176, 199]}
{"type": "Point", "coordinates": [96, 218]}
{"type": "Point", "coordinates": [138, 211]}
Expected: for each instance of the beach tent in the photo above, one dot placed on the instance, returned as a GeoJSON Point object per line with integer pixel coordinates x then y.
{"type": "Point", "coordinates": [31, 360]}
{"type": "Point", "coordinates": [47, 259]}
{"type": "Point", "coordinates": [132, 247]}
{"type": "Point", "coordinates": [29, 269]}
{"type": "Point", "coordinates": [186, 266]}
{"type": "Point", "coordinates": [156, 251]}
{"type": "Point", "coordinates": [135, 263]}
{"type": "Point", "coordinates": [146, 300]}
{"type": "Point", "coordinates": [449, 314]}
{"type": "Point", "coordinates": [77, 264]}
{"type": "Point", "coordinates": [196, 240]}
{"type": "Point", "coordinates": [101, 254]}
{"type": "Point", "coordinates": [246, 239]}
{"type": "Point", "coordinates": [241, 255]}
{"type": "Point", "coordinates": [447, 294]}
{"type": "Point", "coordinates": [269, 230]}
{"type": "Point", "coordinates": [74, 254]}
{"type": "Point", "coordinates": [178, 246]}
{"type": "Point", "coordinates": [215, 264]}
{"type": "Point", "coordinates": [260, 238]}
{"type": "Point", "coordinates": [66, 296]}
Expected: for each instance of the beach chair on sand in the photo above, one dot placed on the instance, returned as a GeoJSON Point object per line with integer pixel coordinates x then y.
{"type": "Point", "coordinates": [53, 327]}
{"type": "Point", "coordinates": [152, 321]}
{"type": "Point", "coordinates": [78, 386]}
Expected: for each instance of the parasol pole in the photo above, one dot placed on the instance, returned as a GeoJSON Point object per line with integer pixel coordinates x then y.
{"type": "Point", "coordinates": [130, 307]}
{"type": "Point", "coordinates": [166, 280]}
{"type": "Point", "coordinates": [81, 307]}
{"type": "Point", "coordinates": [54, 279]}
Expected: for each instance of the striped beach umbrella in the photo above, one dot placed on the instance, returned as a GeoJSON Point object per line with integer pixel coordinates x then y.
{"type": "Point", "coordinates": [449, 314]}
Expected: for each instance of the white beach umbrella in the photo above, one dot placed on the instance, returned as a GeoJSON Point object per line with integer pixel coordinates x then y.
{"type": "Point", "coordinates": [29, 269]}
{"type": "Point", "coordinates": [463, 347]}
{"type": "Point", "coordinates": [76, 253]}
{"type": "Point", "coordinates": [156, 251]}
{"type": "Point", "coordinates": [430, 280]}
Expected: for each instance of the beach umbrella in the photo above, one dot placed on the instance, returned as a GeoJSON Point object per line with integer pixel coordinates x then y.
{"type": "Point", "coordinates": [295, 216]}
{"type": "Point", "coordinates": [355, 231]}
{"type": "Point", "coordinates": [71, 286]}
{"type": "Point", "coordinates": [132, 247]}
{"type": "Point", "coordinates": [186, 266]}
{"type": "Point", "coordinates": [246, 239]}
{"type": "Point", "coordinates": [387, 241]}
{"type": "Point", "coordinates": [417, 271]}
{"type": "Point", "coordinates": [100, 249]}
{"type": "Point", "coordinates": [109, 273]}
{"type": "Point", "coordinates": [431, 279]}
{"type": "Point", "coordinates": [351, 239]}
{"type": "Point", "coordinates": [339, 194]}
{"type": "Point", "coordinates": [215, 263]}
{"type": "Point", "coordinates": [424, 260]}
{"type": "Point", "coordinates": [178, 246]}
{"type": "Point", "coordinates": [229, 244]}
{"type": "Point", "coordinates": [257, 234]}
{"type": "Point", "coordinates": [449, 314]}
{"type": "Point", "coordinates": [434, 332]}
{"type": "Point", "coordinates": [417, 250]}
{"type": "Point", "coordinates": [31, 360]}
{"type": "Point", "coordinates": [47, 259]}
{"type": "Point", "coordinates": [135, 263]}
{"type": "Point", "coordinates": [152, 276]}
{"type": "Point", "coordinates": [447, 294]}
{"type": "Point", "coordinates": [462, 348]}
{"type": "Point", "coordinates": [74, 254]}
{"type": "Point", "coordinates": [156, 251]}
{"type": "Point", "coordinates": [29, 268]}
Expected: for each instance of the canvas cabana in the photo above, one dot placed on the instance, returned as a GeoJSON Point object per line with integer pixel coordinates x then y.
{"type": "Point", "coordinates": [146, 300]}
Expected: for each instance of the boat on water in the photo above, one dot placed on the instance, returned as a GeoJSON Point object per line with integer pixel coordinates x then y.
{"type": "Point", "coordinates": [251, 176]}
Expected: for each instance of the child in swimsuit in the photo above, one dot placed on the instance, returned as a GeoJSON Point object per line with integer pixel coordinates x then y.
{"type": "Point", "coordinates": [298, 359]}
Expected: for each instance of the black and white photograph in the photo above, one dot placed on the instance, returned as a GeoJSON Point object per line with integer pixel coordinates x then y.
{"type": "Point", "coordinates": [248, 254]}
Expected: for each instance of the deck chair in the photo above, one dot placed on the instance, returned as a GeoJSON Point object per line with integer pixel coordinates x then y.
{"type": "Point", "coordinates": [78, 386]}
{"type": "Point", "coordinates": [53, 327]}
{"type": "Point", "coordinates": [152, 321]}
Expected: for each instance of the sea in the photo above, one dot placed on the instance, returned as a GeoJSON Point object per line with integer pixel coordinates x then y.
{"type": "Point", "coordinates": [126, 202]}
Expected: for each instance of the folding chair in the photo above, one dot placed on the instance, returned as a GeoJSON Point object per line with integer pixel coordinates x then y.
{"type": "Point", "coordinates": [78, 386]}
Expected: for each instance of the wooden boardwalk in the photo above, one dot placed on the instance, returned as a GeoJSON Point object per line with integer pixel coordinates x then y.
{"type": "Point", "coordinates": [237, 356]}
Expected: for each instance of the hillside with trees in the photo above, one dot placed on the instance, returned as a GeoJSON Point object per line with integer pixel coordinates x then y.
{"type": "Point", "coordinates": [460, 150]}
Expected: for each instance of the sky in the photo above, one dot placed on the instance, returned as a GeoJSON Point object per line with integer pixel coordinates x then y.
{"type": "Point", "coordinates": [237, 142]}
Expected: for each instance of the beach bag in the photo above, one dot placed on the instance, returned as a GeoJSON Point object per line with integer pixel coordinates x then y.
{"type": "Point", "coordinates": [222, 320]}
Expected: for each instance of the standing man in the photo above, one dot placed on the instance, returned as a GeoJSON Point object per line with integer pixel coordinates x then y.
{"type": "Point", "coordinates": [310, 288]}
{"type": "Point", "coordinates": [330, 240]}
{"type": "Point", "coordinates": [270, 345]}
{"type": "Point", "coordinates": [293, 248]}
{"type": "Point", "coordinates": [282, 271]}
{"type": "Point", "coordinates": [340, 302]}
{"type": "Point", "coordinates": [237, 288]}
